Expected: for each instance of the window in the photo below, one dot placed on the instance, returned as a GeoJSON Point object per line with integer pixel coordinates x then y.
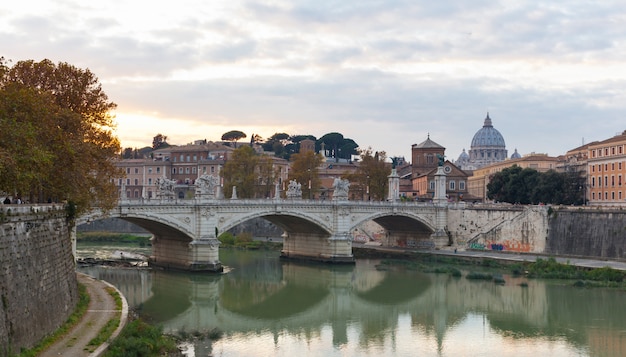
{"type": "Point", "coordinates": [136, 182]}
{"type": "Point", "coordinates": [606, 181]}
{"type": "Point", "coordinates": [127, 181]}
{"type": "Point", "coordinates": [119, 182]}
{"type": "Point", "coordinates": [173, 170]}
{"type": "Point", "coordinates": [158, 170]}
{"type": "Point", "coordinates": [606, 167]}
{"type": "Point", "coordinates": [619, 195]}
{"type": "Point", "coordinates": [432, 185]}
{"type": "Point", "coordinates": [619, 180]}
{"type": "Point", "coordinates": [212, 169]}
{"type": "Point", "coordinates": [593, 168]}
{"type": "Point", "coordinates": [606, 195]}
{"type": "Point", "coordinates": [193, 170]}
{"type": "Point", "coordinates": [619, 149]}
{"type": "Point", "coordinates": [136, 170]}
{"type": "Point", "coordinates": [452, 186]}
{"type": "Point", "coordinates": [613, 195]}
{"type": "Point", "coordinates": [429, 158]}
{"type": "Point", "coordinates": [593, 195]}
{"type": "Point", "coordinates": [150, 181]}
{"type": "Point", "coordinates": [128, 170]}
{"type": "Point", "coordinates": [619, 165]}
{"type": "Point", "coordinates": [613, 151]}
{"type": "Point", "coordinates": [136, 194]}
{"type": "Point", "coordinates": [593, 181]}
{"type": "Point", "coordinates": [188, 158]}
{"type": "Point", "coordinates": [149, 170]}
{"type": "Point", "coordinates": [195, 158]}
{"type": "Point", "coordinates": [462, 185]}
{"type": "Point", "coordinates": [186, 170]}
{"type": "Point", "coordinates": [613, 166]}
{"type": "Point", "coordinates": [182, 158]}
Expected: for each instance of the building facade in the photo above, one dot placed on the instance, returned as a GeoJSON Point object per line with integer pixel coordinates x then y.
{"type": "Point", "coordinates": [426, 157]}
{"type": "Point", "coordinates": [183, 164]}
{"type": "Point", "coordinates": [606, 170]}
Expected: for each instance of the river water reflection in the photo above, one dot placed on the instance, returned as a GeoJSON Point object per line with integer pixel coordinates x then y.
{"type": "Point", "coordinates": [267, 307]}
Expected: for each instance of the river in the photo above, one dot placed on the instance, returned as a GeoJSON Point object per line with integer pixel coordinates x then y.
{"type": "Point", "coordinates": [267, 307]}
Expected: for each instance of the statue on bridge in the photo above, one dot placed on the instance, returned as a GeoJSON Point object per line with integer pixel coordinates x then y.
{"type": "Point", "coordinates": [205, 186]}
{"type": "Point", "coordinates": [294, 190]}
{"type": "Point", "coordinates": [340, 189]}
{"type": "Point", "coordinates": [165, 187]}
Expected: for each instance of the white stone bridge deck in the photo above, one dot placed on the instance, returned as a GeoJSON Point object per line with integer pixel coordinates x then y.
{"type": "Point", "coordinates": [185, 231]}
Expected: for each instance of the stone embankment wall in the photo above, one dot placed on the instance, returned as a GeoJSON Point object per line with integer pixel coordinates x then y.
{"type": "Point", "coordinates": [563, 231]}
{"type": "Point", "coordinates": [589, 232]}
{"type": "Point", "coordinates": [38, 286]}
{"type": "Point", "coordinates": [499, 227]}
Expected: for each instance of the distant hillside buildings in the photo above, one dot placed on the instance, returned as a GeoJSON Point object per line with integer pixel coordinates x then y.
{"type": "Point", "coordinates": [600, 164]}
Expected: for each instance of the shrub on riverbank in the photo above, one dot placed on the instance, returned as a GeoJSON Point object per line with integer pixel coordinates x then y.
{"type": "Point", "coordinates": [141, 339]}
{"type": "Point", "coordinates": [110, 237]}
{"type": "Point", "coordinates": [245, 241]}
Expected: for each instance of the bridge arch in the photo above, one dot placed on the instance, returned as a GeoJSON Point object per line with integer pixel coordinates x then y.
{"type": "Point", "coordinates": [290, 221]}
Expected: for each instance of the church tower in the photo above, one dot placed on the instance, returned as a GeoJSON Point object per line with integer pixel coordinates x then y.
{"type": "Point", "coordinates": [425, 156]}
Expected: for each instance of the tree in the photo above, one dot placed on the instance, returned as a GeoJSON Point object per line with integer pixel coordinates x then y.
{"type": "Point", "coordinates": [338, 147]}
{"type": "Point", "coordinates": [513, 185]}
{"type": "Point", "coordinates": [159, 142]}
{"type": "Point", "coordinates": [304, 169]}
{"type": "Point", "coordinates": [56, 139]}
{"type": "Point", "coordinates": [332, 142]}
{"type": "Point", "coordinates": [233, 136]}
{"type": "Point", "coordinates": [255, 139]}
{"type": "Point", "coordinates": [526, 186]}
{"type": "Point", "coordinates": [240, 171]}
{"type": "Point", "coordinates": [371, 179]}
{"type": "Point", "coordinates": [266, 176]}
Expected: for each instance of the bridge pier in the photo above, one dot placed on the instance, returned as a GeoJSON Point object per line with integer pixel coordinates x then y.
{"type": "Point", "coordinates": [198, 255]}
{"type": "Point", "coordinates": [317, 247]}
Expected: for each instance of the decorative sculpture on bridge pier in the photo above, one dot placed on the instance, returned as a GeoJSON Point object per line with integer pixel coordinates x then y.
{"type": "Point", "coordinates": [340, 189]}
{"type": "Point", "coordinates": [205, 186]}
{"type": "Point", "coordinates": [294, 190]}
{"type": "Point", "coordinates": [165, 188]}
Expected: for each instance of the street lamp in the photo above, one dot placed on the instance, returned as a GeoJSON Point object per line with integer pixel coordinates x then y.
{"type": "Point", "coordinates": [368, 187]}
{"type": "Point", "coordinates": [309, 171]}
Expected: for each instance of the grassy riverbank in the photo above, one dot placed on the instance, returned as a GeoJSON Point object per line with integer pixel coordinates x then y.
{"type": "Point", "coordinates": [492, 269]}
{"type": "Point", "coordinates": [110, 237]}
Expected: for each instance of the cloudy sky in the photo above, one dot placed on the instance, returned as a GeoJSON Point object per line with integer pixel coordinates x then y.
{"type": "Point", "coordinates": [385, 73]}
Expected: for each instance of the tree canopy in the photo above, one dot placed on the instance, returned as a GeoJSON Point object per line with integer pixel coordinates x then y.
{"type": "Point", "coordinates": [304, 169]}
{"type": "Point", "coordinates": [371, 179]}
{"type": "Point", "coordinates": [528, 186]}
{"type": "Point", "coordinates": [56, 135]}
{"type": "Point", "coordinates": [240, 171]}
{"type": "Point", "coordinates": [337, 146]}
{"type": "Point", "coordinates": [233, 136]}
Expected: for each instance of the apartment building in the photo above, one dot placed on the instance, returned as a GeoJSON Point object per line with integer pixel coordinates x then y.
{"type": "Point", "coordinates": [606, 170]}
{"type": "Point", "coordinates": [184, 164]}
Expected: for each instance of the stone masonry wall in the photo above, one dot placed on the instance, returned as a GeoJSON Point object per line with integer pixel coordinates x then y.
{"type": "Point", "coordinates": [501, 227]}
{"type": "Point", "coordinates": [38, 286]}
{"type": "Point", "coordinates": [587, 232]}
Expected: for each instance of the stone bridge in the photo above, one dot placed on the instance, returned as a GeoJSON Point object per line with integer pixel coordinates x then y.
{"type": "Point", "coordinates": [185, 231]}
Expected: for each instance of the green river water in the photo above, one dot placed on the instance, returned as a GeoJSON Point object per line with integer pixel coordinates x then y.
{"type": "Point", "coordinates": [267, 307]}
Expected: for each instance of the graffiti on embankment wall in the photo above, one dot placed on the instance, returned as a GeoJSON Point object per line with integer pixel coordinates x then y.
{"type": "Point", "coordinates": [507, 245]}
